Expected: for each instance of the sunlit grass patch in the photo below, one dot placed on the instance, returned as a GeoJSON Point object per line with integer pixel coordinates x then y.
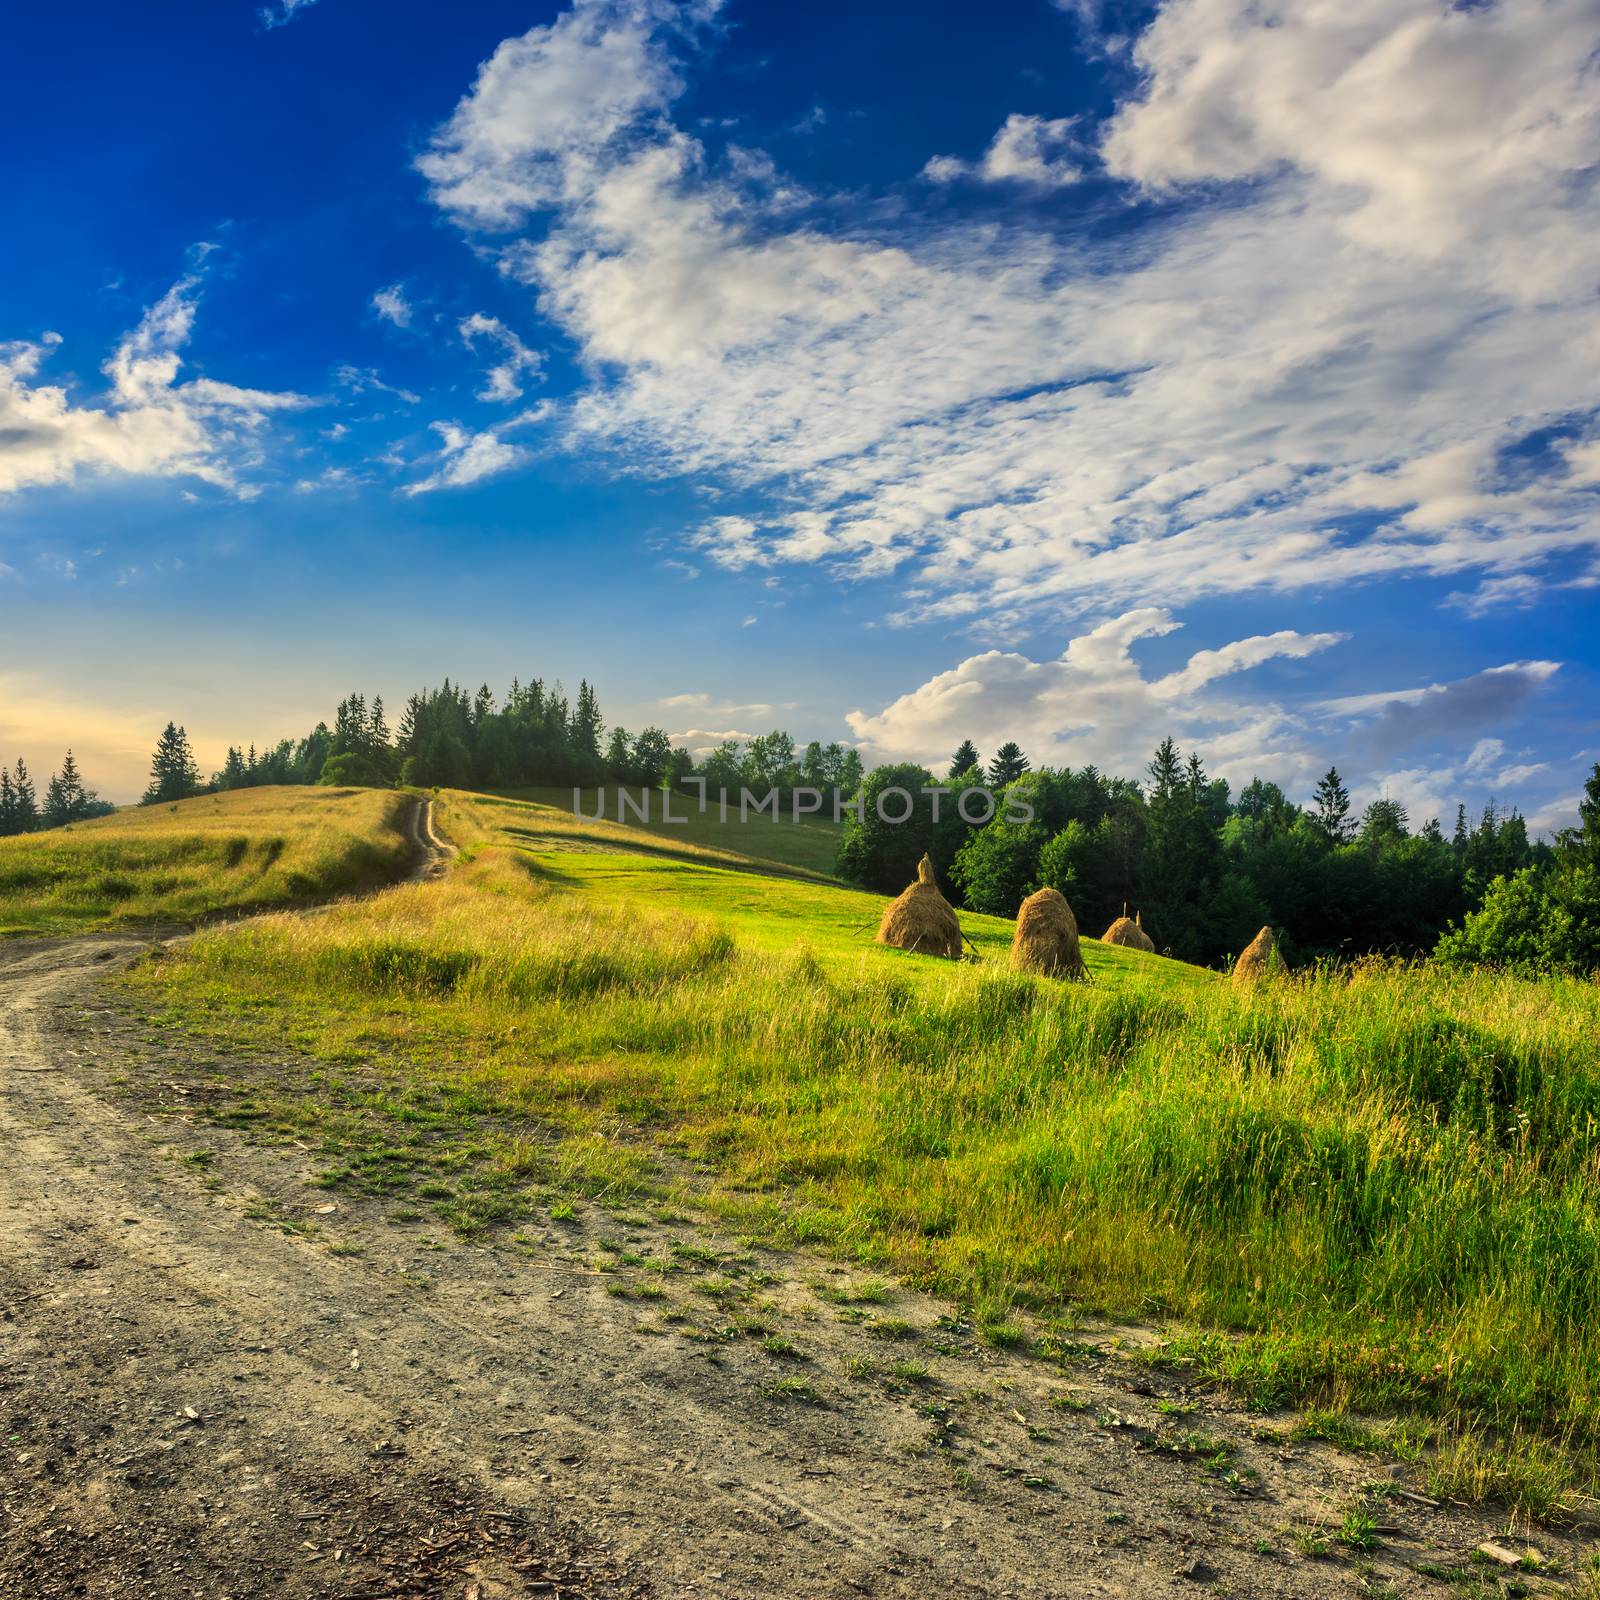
{"type": "Point", "coordinates": [1373, 1191]}
{"type": "Point", "coordinates": [238, 851]}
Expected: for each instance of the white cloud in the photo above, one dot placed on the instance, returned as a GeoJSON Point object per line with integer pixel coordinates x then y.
{"type": "Point", "coordinates": [1042, 152]}
{"type": "Point", "coordinates": [391, 304]}
{"type": "Point", "coordinates": [465, 457]}
{"type": "Point", "coordinates": [501, 380]}
{"type": "Point", "coordinates": [282, 11]}
{"type": "Point", "coordinates": [147, 424]}
{"type": "Point", "coordinates": [1459, 134]}
{"type": "Point", "coordinates": [1304, 374]}
{"type": "Point", "coordinates": [1093, 703]}
{"type": "Point", "coordinates": [359, 380]}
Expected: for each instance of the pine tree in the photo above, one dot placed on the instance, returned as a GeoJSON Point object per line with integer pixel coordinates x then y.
{"type": "Point", "coordinates": [1458, 840]}
{"type": "Point", "coordinates": [173, 772]}
{"type": "Point", "coordinates": [1581, 845]}
{"type": "Point", "coordinates": [65, 798]}
{"type": "Point", "coordinates": [966, 759]}
{"type": "Point", "coordinates": [1330, 812]}
{"type": "Point", "coordinates": [1166, 770]}
{"type": "Point", "coordinates": [9, 820]}
{"type": "Point", "coordinates": [27, 801]}
{"type": "Point", "coordinates": [1008, 765]}
{"type": "Point", "coordinates": [586, 727]}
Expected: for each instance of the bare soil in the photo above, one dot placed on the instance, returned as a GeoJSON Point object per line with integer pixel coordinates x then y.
{"type": "Point", "coordinates": [200, 1397]}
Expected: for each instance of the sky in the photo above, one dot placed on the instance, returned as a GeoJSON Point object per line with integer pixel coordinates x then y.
{"type": "Point", "coordinates": [1075, 372]}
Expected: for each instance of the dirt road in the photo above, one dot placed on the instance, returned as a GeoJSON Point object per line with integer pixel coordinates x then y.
{"type": "Point", "coordinates": [217, 1379]}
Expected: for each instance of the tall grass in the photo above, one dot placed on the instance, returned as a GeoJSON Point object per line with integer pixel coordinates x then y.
{"type": "Point", "coordinates": [1379, 1188]}
{"type": "Point", "coordinates": [242, 850]}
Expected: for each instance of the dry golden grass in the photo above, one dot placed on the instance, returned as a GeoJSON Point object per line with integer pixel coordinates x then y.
{"type": "Point", "coordinates": [242, 850]}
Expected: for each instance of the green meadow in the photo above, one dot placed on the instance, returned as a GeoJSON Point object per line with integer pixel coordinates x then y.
{"type": "Point", "coordinates": [242, 850]}
{"type": "Point", "coordinates": [1372, 1191]}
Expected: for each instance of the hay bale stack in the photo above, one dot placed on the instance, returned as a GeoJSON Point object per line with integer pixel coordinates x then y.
{"type": "Point", "coordinates": [1259, 959]}
{"type": "Point", "coordinates": [922, 919]}
{"type": "Point", "coordinates": [1046, 940]}
{"type": "Point", "coordinates": [1128, 933]}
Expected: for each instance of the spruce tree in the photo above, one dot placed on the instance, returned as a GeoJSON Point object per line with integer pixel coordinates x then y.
{"type": "Point", "coordinates": [173, 772]}
{"type": "Point", "coordinates": [8, 804]}
{"type": "Point", "coordinates": [1330, 809]}
{"type": "Point", "coordinates": [966, 759]}
{"type": "Point", "coordinates": [586, 726]}
{"type": "Point", "coordinates": [27, 801]}
{"type": "Point", "coordinates": [1008, 765]}
{"type": "Point", "coordinates": [65, 798]}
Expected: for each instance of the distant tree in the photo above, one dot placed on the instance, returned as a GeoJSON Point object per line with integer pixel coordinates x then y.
{"type": "Point", "coordinates": [586, 726]}
{"type": "Point", "coordinates": [881, 848]}
{"type": "Point", "coordinates": [353, 769]}
{"type": "Point", "coordinates": [966, 759]}
{"type": "Point", "coordinates": [1330, 809]}
{"type": "Point", "coordinates": [680, 766]}
{"type": "Point", "coordinates": [619, 756]}
{"type": "Point", "coordinates": [1266, 809]}
{"type": "Point", "coordinates": [998, 864]}
{"type": "Point", "coordinates": [652, 752]}
{"type": "Point", "coordinates": [27, 799]}
{"type": "Point", "coordinates": [1384, 823]}
{"type": "Point", "coordinates": [18, 811]}
{"type": "Point", "coordinates": [235, 773]}
{"type": "Point", "coordinates": [65, 798]}
{"type": "Point", "coordinates": [173, 773]}
{"type": "Point", "coordinates": [1182, 864]}
{"type": "Point", "coordinates": [1580, 846]}
{"type": "Point", "coordinates": [852, 773]}
{"type": "Point", "coordinates": [1008, 765]}
{"type": "Point", "coordinates": [721, 770]}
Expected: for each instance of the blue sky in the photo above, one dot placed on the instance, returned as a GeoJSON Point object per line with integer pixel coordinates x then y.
{"type": "Point", "coordinates": [1071, 372]}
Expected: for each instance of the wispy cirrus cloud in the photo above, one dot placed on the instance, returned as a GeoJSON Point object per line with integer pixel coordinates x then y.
{"type": "Point", "coordinates": [503, 381]}
{"type": "Point", "coordinates": [1350, 281]}
{"type": "Point", "coordinates": [282, 12]}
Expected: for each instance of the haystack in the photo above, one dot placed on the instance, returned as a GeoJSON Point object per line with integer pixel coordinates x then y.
{"type": "Point", "coordinates": [922, 919]}
{"type": "Point", "coordinates": [1259, 959]}
{"type": "Point", "coordinates": [1127, 931]}
{"type": "Point", "coordinates": [1046, 940]}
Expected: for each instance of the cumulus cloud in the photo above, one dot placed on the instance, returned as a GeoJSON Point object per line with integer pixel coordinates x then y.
{"type": "Point", "coordinates": [392, 305]}
{"type": "Point", "coordinates": [1354, 279]}
{"type": "Point", "coordinates": [1094, 704]}
{"type": "Point", "coordinates": [1043, 152]}
{"type": "Point", "coordinates": [146, 424]}
{"type": "Point", "coordinates": [501, 381]}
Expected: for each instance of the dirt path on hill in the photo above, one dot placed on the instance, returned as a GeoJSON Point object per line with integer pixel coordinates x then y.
{"type": "Point", "coordinates": [434, 852]}
{"type": "Point", "coordinates": [217, 1378]}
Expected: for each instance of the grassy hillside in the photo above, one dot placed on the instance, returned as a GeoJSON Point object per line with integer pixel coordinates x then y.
{"type": "Point", "coordinates": [1375, 1190]}
{"type": "Point", "coordinates": [246, 849]}
{"type": "Point", "coordinates": [808, 843]}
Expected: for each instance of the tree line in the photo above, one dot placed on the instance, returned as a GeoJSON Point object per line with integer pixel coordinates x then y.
{"type": "Point", "coordinates": [1206, 868]}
